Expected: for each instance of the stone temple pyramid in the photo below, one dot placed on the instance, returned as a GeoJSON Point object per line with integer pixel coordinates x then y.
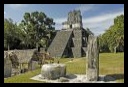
{"type": "Point", "coordinates": [71, 40]}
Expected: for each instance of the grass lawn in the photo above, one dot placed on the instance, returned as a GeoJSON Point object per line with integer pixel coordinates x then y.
{"type": "Point", "coordinates": [109, 64]}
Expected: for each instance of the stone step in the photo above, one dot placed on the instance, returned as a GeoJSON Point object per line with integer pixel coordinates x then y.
{"type": "Point", "coordinates": [76, 51]}
{"type": "Point", "coordinates": [59, 43]}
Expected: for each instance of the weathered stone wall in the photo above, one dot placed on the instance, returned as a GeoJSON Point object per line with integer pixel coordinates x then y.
{"type": "Point", "coordinates": [33, 65]}
{"type": "Point", "coordinates": [76, 25]}
{"type": "Point", "coordinates": [74, 20]}
{"type": "Point", "coordinates": [66, 26]}
{"type": "Point", "coordinates": [57, 47]}
{"type": "Point", "coordinates": [7, 67]}
{"type": "Point", "coordinates": [23, 55]}
{"type": "Point", "coordinates": [77, 41]}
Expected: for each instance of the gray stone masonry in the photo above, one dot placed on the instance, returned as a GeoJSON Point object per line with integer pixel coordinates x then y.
{"type": "Point", "coordinates": [71, 40]}
{"type": "Point", "coordinates": [59, 43]}
{"type": "Point", "coordinates": [7, 67]}
{"type": "Point", "coordinates": [77, 41]}
{"type": "Point", "coordinates": [92, 65]}
{"type": "Point", "coordinates": [53, 71]}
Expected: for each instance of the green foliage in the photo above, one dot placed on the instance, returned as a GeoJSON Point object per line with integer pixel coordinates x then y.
{"type": "Point", "coordinates": [114, 36]}
{"type": "Point", "coordinates": [23, 78]}
{"type": "Point", "coordinates": [35, 29]}
{"type": "Point", "coordinates": [36, 26]}
{"type": "Point", "coordinates": [11, 34]}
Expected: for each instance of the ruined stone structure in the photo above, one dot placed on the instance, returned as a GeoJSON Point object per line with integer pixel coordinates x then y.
{"type": "Point", "coordinates": [16, 61]}
{"type": "Point", "coordinates": [7, 66]}
{"type": "Point", "coordinates": [71, 41]}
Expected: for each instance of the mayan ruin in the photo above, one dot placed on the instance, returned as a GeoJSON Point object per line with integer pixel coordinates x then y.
{"type": "Point", "coordinates": [63, 43]}
{"type": "Point", "coordinates": [72, 39]}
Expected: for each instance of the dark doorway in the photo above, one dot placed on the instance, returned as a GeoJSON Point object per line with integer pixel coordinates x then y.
{"type": "Point", "coordinates": [70, 26]}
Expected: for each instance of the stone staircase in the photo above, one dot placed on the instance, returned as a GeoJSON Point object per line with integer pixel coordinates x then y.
{"type": "Point", "coordinates": [58, 45]}
{"type": "Point", "coordinates": [77, 40]}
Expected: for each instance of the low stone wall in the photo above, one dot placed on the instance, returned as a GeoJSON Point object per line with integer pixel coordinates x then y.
{"type": "Point", "coordinates": [23, 55]}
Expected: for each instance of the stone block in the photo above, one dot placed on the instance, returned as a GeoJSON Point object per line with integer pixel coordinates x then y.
{"type": "Point", "coordinates": [53, 71]}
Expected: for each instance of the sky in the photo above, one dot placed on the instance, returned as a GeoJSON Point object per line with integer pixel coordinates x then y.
{"type": "Point", "coordinates": [96, 17]}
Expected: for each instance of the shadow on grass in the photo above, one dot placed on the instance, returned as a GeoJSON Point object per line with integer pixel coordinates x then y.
{"type": "Point", "coordinates": [113, 77]}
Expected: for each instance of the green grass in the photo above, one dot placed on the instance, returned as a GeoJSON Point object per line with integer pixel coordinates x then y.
{"type": "Point", "coordinates": [62, 60]}
{"type": "Point", "coordinates": [23, 78]}
{"type": "Point", "coordinates": [112, 64]}
{"type": "Point", "coordinates": [109, 64]}
{"type": "Point", "coordinates": [78, 66]}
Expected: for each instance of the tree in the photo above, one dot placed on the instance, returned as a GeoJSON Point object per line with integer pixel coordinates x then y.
{"type": "Point", "coordinates": [36, 26]}
{"type": "Point", "coordinates": [10, 33]}
{"type": "Point", "coordinates": [25, 37]}
{"type": "Point", "coordinates": [113, 38]}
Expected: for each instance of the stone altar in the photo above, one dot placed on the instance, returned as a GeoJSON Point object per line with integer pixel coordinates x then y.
{"type": "Point", "coordinates": [53, 71]}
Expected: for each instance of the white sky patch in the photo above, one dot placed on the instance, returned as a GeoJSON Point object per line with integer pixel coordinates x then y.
{"type": "Point", "coordinates": [16, 6]}
{"type": "Point", "coordinates": [94, 25]}
{"type": "Point", "coordinates": [97, 24]}
{"type": "Point", "coordinates": [85, 7]}
{"type": "Point", "coordinates": [4, 12]}
{"type": "Point", "coordinates": [60, 20]}
{"type": "Point", "coordinates": [58, 26]}
{"type": "Point", "coordinates": [102, 17]}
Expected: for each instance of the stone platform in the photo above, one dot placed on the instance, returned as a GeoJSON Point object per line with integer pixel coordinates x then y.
{"type": "Point", "coordinates": [75, 78]}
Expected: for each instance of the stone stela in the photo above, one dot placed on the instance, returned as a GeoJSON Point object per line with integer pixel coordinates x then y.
{"type": "Point", "coordinates": [92, 64]}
